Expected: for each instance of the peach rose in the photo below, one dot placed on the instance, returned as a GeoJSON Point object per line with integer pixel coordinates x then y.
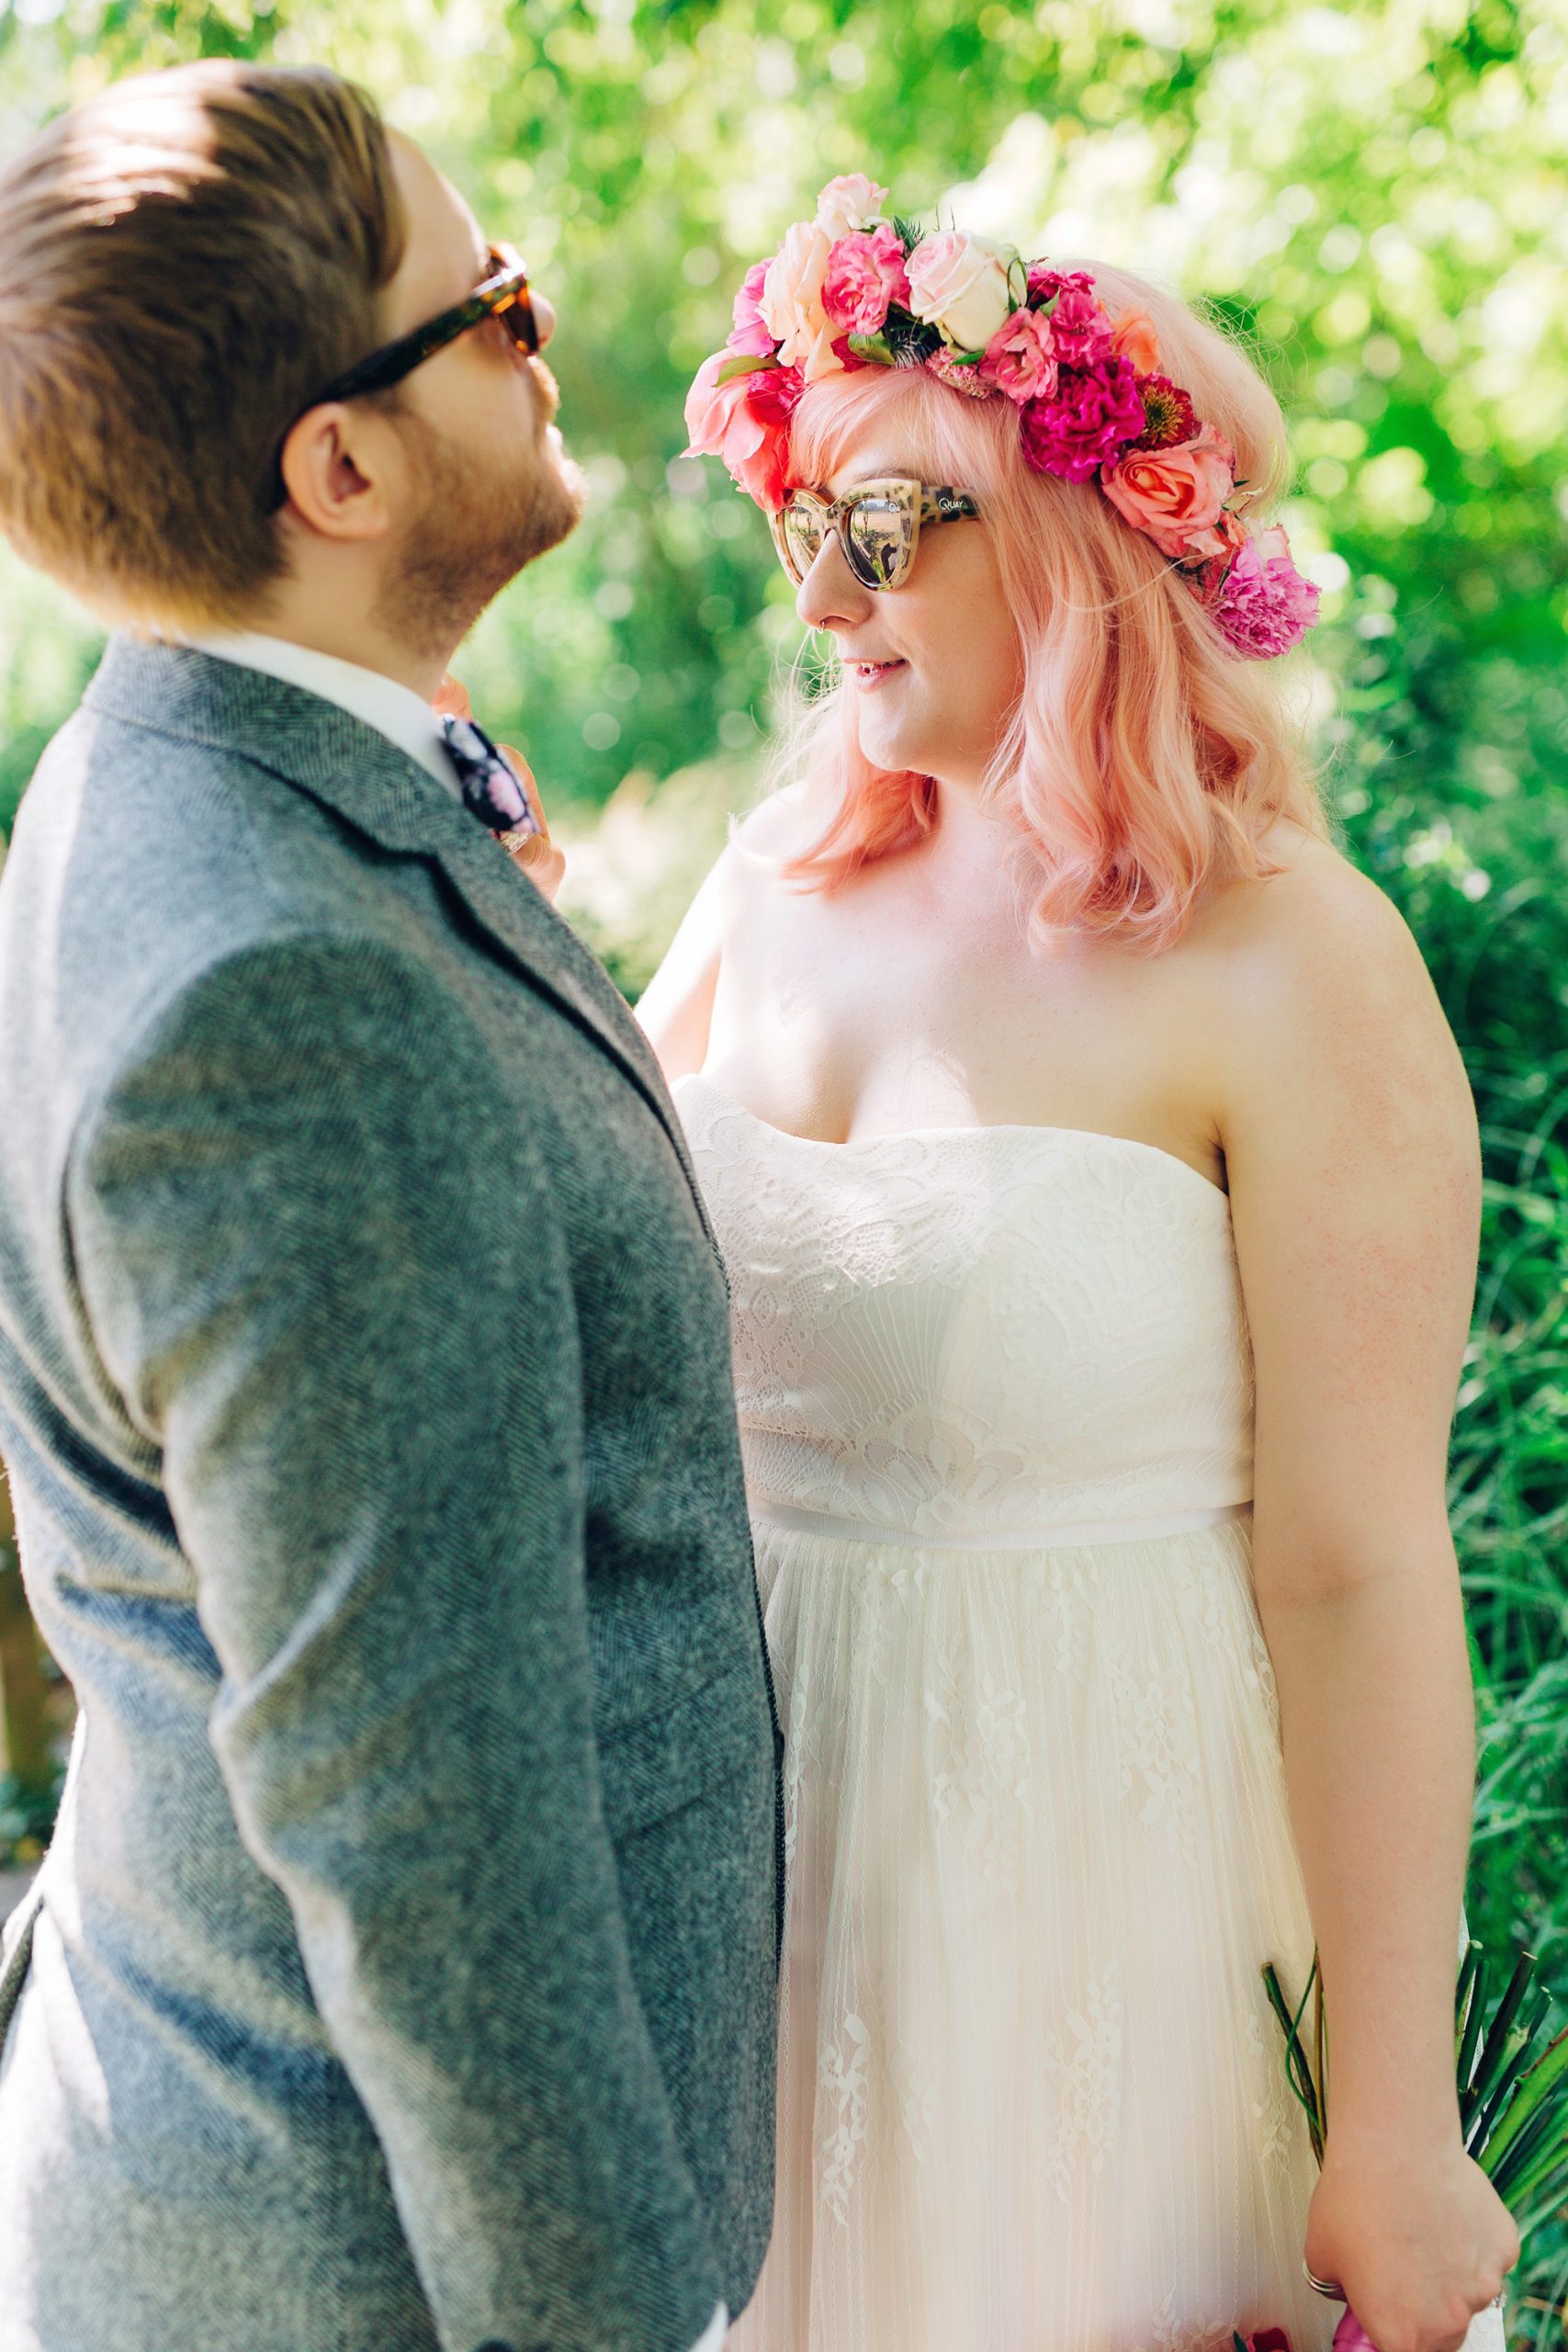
{"type": "Point", "coordinates": [1174, 496]}
{"type": "Point", "coordinates": [959, 284]}
{"type": "Point", "coordinates": [1133, 337]}
{"type": "Point", "coordinates": [791, 301]}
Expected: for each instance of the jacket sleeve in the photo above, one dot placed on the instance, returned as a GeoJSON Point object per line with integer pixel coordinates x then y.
{"type": "Point", "coordinates": [322, 1266]}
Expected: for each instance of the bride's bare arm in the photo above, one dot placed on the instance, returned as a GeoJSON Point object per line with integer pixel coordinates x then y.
{"type": "Point", "coordinates": [1354, 1170]}
{"type": "Point", "coordinates": [676, 1007]}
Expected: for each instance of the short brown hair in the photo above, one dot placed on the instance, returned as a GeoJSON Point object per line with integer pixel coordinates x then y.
{"type": "Point", "coordinates": [184, 260]}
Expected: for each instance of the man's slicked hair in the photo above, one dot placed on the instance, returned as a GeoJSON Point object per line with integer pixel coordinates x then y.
{"type": "Point", "coordinates": [184, 260]}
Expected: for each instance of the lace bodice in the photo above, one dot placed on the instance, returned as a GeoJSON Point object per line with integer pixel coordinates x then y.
{"type": "Point", "coordinates": [980, 1331]}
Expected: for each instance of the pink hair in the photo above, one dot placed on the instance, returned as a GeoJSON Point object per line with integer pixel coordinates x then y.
{"type": "Point", "coordinates": [1144, 757]}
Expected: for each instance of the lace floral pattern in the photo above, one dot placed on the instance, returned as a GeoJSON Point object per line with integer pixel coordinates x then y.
{"type": "Point", "coordinates": [842, 2075]}
{"type": "Point", "coordinates": [869, 1359]}
{"type": "Point", "coordinates": [1085, 2050]}
{"type": "Point", "coordinates": [1036, 1836]}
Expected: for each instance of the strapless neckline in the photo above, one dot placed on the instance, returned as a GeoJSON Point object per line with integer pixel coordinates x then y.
{"type": "Point", "coordinates": [1086, 1136]}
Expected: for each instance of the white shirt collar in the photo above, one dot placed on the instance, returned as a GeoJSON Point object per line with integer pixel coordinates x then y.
{"type": "Point", "coordinates": [392, 709]}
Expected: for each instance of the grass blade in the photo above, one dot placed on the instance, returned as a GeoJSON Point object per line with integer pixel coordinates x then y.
{"type": "Point", "coordinates": [1505, 2171]}
{"type": "Point", "coordinates": [1542, 2187]}
{"type": "Point", "coordinates": [1535, 2087]}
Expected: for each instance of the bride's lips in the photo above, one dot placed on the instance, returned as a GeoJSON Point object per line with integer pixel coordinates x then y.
{"type": "Point", "coordinates": [870, 674]}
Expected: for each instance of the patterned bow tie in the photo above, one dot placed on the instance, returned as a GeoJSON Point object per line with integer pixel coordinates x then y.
{"type": "Point", "coordinates": [490, 791]}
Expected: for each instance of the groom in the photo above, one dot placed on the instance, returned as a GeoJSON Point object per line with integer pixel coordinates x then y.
{"type": "Point", "coordinates": [403, 1970]}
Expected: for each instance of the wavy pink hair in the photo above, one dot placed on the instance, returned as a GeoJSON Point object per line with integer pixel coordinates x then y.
{"type": "Point", "coordinates": [1144, 758]}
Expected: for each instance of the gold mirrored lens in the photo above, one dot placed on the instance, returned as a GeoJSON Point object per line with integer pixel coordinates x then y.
{"type": "Point", "coordinates": [879, 537]}
{"type": "Point", "coordinates": [803, 531]}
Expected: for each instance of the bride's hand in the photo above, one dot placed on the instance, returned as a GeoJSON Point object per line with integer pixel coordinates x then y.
{"type": "Point", "coordinates": [539, 858]}
{"type": "Point", "coordinates": [450, 699]}
{"type": "Point", "coordinates": [1419, 2240]}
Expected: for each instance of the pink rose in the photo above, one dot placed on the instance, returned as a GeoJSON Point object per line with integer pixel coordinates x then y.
{"type": "Point", "coordinates": [791, 301]}
{"type": "Point", "coordinates": [1133, 337]}
{"type": "Point", "coordinates": [1351, 2337]}
{"type": "Point", "coordinates": [865, 273]}
{"type": "Point", "coordinates": [746, 422]}
{"type": "Point", "coordinates": [1093, 414]}
{"type": "Point", "coordinates": [1264, 607]}
{"type": "Point", "coordinates": [850, 202]}
{"type": "Point", "coordinates": [751, 332]}
{"type": "Point", "coordinates": [1173, 494]}
{"type": "Point", "coordinates": [959, 285]}
{"type": "Point", "coordinates": [1021, 359]}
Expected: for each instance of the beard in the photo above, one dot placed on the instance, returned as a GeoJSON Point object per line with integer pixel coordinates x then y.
{"type": "Point", "coordinates": [477, 524]}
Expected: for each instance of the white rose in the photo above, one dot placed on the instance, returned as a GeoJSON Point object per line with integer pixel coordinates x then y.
{"type": "Point", "coordinates": [959, 284]}
{"type": "Point", "coordinates": [791, 302]}
{"type": "Point", "coordinates": [848, 203]}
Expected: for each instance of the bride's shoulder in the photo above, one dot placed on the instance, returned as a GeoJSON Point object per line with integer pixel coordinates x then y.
{"type": "Point", "coordinates": [676, 1006]}
{"type": "Point", "coordinates": [1313, 965]}
{"type": "Point", "coordinates": [778, 828]}
{"type": "Point", "coordinates": [1314, 917]}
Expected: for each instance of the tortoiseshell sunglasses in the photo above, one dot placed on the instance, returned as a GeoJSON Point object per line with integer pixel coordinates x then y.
{"type": "Point", "coordinates": [877, 525]}
{"type": "Point", "coordinates": [502, 294]}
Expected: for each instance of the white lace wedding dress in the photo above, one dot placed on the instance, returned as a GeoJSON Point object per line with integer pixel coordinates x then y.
{"type": "Point", "coordinates": [995, 1395]}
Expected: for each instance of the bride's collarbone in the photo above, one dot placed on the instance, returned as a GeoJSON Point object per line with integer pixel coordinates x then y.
{"type": "Point", "coordinates": [837, 1100]}
{"type": "Point", "coordinates": [840, 1033]}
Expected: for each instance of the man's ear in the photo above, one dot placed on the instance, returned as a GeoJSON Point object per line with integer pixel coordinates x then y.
{"type": "Point", "coordinates": [335, 463]}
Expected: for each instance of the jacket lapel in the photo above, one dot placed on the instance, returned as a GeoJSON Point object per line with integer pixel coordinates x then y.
{"type": "Point", "coordinates": [523, 922]}
{"type": "Point", "coordinates": [373, 785]}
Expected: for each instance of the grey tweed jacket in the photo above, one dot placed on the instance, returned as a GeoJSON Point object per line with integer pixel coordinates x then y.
{"type": "Point", "coordinates": [403, 1970]}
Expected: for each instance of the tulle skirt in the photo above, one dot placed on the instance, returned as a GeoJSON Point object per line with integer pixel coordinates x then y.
{"type": "Point", "coordinates": [1032, 2096]}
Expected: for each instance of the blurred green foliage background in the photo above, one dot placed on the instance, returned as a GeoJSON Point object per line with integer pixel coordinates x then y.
{"type": "Point", "coordinates": [1375, 195]}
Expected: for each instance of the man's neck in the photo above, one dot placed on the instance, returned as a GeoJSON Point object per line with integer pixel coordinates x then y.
{"type": "Point", "coordinates": [345, 640]}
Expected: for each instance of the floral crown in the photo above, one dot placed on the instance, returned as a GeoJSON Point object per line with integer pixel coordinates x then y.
{"type": "Point", "coordinates": [851, 290]}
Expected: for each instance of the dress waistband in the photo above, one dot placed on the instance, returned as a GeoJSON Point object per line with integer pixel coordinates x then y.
{"type": "Point", "coordinates": [1038, 1539]}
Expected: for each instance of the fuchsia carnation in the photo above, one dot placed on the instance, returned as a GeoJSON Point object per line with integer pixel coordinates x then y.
{"type": "Point", "coordinates": [773, 393]}
{"type": "Point", "coordinates": [1021, 359]}
{"type": "Point", "coordinates": [1094, 413]}
{"type": "Point", "coordinates": [1265, 606]}
{"type": "Point", "coordinates": [1080, 325]}
{"type": "Point", "coordinates": [865, 273]}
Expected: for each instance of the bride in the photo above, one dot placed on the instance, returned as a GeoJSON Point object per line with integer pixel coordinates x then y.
{"type": "Point", "coordinates": [1098, 1179]}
